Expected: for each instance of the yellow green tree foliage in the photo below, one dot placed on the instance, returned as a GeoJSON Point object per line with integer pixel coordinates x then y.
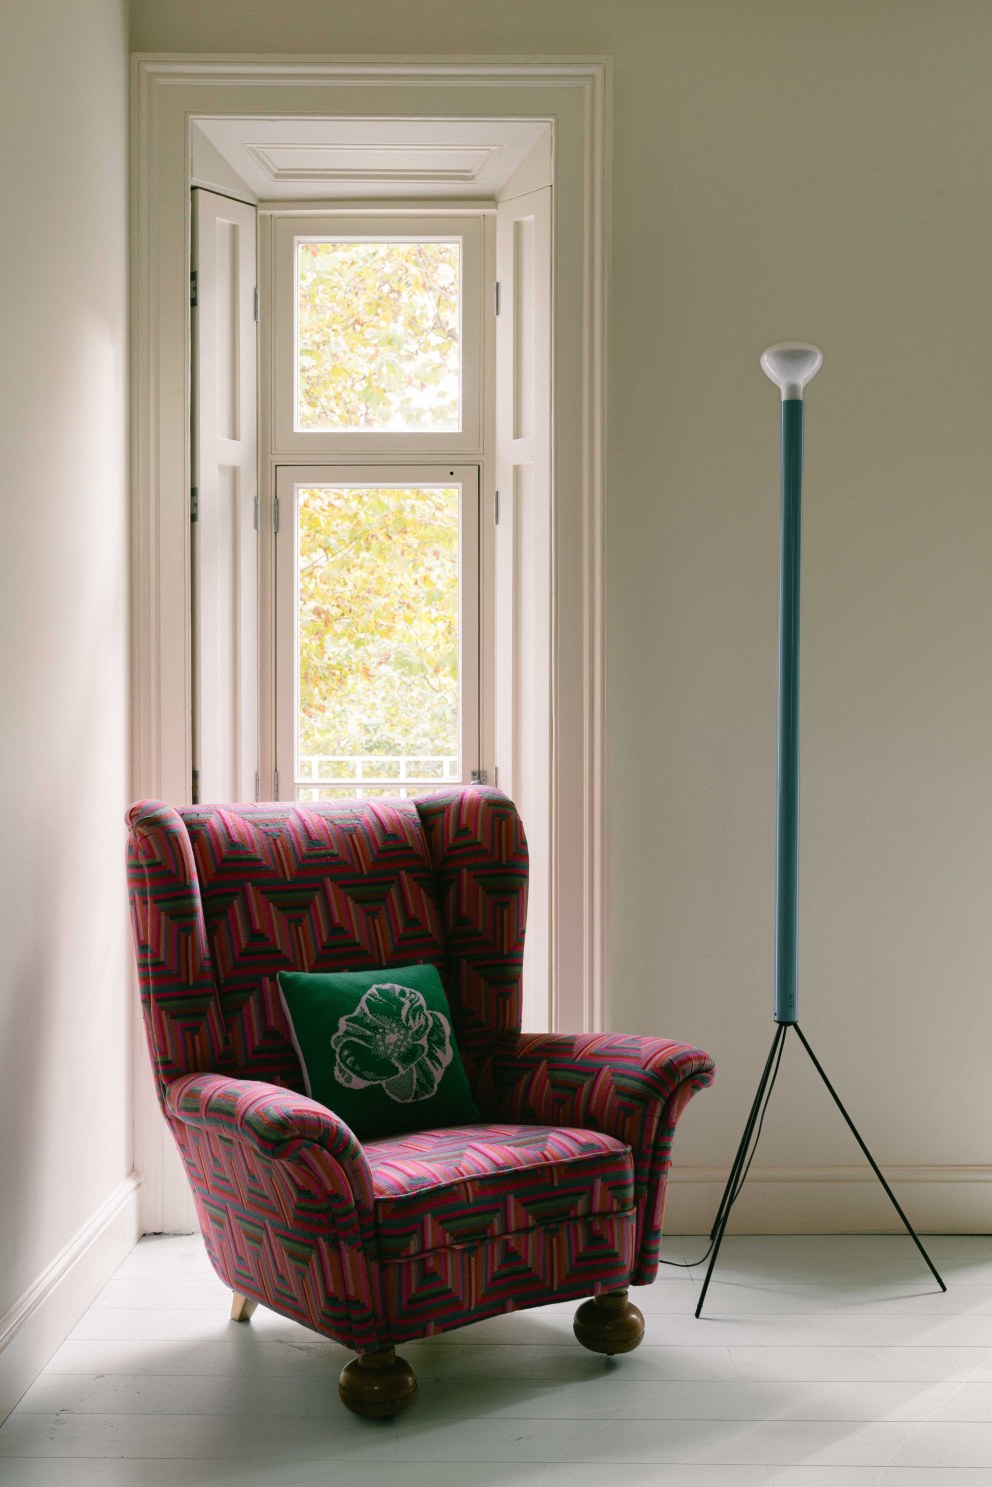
{"type": "Point", "coordinates": [378, 335]}
{"type": "Point", "coordinates": [378, 621]}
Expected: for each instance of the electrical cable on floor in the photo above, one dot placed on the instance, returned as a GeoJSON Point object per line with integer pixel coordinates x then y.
{"type": "Point", "coordinates": [691, 1264]}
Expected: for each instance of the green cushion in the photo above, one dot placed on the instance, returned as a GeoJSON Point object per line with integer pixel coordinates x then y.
{"type": "Point", "coordinates": [377, 1048]}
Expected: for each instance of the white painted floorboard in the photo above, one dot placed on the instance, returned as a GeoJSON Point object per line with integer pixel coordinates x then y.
{"type": "Point", "coordinates": [819, 1362]}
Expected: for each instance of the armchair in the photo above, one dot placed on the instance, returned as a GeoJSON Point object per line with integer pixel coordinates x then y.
{"type": "Point", "coordinates": [558, 1193]}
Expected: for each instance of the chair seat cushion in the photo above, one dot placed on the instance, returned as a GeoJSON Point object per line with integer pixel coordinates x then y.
{"type": "Point", "coordinates": [464, 1185]}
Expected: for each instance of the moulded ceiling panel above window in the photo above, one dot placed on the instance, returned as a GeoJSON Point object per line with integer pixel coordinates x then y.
{"type": "Point", "coordinates": [314, 159]}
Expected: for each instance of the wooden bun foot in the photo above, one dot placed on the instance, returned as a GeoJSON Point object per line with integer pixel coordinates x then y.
{"type": "Point", "coordinates": [378, 1385]}
{"type": "Point", "coordinates": [609, 1323]}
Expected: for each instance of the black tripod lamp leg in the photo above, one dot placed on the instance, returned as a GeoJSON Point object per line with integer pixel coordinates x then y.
{"type": "Point", "coordinates": [730, 1191]}
{"type": "Point", "coordinates": [871, 1160]}
{"type": "Point", "coordinates": [726, 1202]}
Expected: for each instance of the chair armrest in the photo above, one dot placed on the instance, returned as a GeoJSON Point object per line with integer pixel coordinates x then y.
{"type": "Point", "coordinates": [632, 1088]}
{"type": "Point", "coordinates": [283, 1193]}
{"type": "Point", "coordinates": [593, 1079]}
{"type": "Point", "coordinates": [275, 1122]}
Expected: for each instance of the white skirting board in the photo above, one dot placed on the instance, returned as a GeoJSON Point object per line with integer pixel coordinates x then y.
{"type": "Point", "coordinates": [833, 1200]}
{"type": "Point", "coordinates": [40, 1320]}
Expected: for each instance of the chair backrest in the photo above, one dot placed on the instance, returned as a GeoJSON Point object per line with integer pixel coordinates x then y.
{"type": "Point", "coordinates": [225, 897]}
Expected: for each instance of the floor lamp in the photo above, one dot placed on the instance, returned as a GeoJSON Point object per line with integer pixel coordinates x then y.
{"type": "Point", "coordinates": [791, 364]}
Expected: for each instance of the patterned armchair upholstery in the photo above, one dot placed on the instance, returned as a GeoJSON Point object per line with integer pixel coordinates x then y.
{"type": "Point", "coordinates": [558, 1193]}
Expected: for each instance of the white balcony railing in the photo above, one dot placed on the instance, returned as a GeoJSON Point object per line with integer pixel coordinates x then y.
{"type": "Point", "coordinates": [377, 769]}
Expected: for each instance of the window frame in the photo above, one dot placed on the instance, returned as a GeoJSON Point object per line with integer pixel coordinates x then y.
{"type": "Point", "coordinates": [170, 92]}
{"type": "Point", "coordinates": [291, 228]}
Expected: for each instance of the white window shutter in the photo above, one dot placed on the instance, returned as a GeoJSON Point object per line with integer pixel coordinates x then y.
{"type": "Point", "coordinates": [524, 556]}
{"type": "Point", "coordinates": [224, 507]}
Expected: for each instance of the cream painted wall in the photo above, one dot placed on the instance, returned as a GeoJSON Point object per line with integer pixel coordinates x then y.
{"type": "Point", "coordinates": [819, 171]}
{"type": "Point", "coordinates": [65, 988]}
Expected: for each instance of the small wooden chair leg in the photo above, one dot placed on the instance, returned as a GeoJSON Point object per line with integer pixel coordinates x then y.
{"type": "Point", "coordinates": [241, 1307]}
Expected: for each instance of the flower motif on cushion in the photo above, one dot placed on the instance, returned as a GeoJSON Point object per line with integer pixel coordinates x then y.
{"type": "Point", "coordinates": [394, 1040]}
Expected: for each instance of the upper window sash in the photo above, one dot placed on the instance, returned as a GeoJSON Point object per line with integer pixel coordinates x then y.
{"type": "Point", "coordinates": [341, 229]}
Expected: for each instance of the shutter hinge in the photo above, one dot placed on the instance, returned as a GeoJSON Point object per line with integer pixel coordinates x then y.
{"type": "Point", "coordinates": [194, 504]}
{"type": "Point", "coordinates": [256, 303]}
{"type": "Point", "coordinates": [496, 508]}
{"type": "Point", "coordinates": [192, 288]}
{"type": "Point", "coordinates": [479, 777]}
{"type": "Point", "coordinates": [258, 785]}
{"type": "Point", "coordinates": [496, 298]}
{"type": "Point", "coordinates": [256, 513]}
{"type": "Point", "coordinates": [275, 784]}
{"type": "Point", "coordinates": [196, 787]}
{"type": "Point", "coordinates": [275, 516]}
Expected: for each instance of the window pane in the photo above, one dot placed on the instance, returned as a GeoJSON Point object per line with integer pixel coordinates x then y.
{"type": "Point", "coordinates": [379, 344]}
{"type": "Point", "coordinates": [377, 647]}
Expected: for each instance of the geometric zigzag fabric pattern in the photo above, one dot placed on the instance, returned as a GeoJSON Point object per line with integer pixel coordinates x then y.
{"type": "Point", "coordinates": [558, 1192]}
{"type": "Point", "coordinates": [632, 1088]}
{"type": "Point", "coordinates": [282, 1224]}
{"type": "Point", "coordinates": [472, 1184]}
{"type": "Point", "coordinates": [427, 1294]}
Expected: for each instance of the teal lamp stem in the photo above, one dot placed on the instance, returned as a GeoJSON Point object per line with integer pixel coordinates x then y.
{"type": "Point", "coordinates": [791, 365]}
{"type": "Point", "coordinates": [787, 843]}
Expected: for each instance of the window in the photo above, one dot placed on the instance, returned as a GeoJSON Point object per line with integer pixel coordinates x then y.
{"type": "Point", "coordinates": [378, 335]}
{"type": "Point", "coordinates": [377, 657]}
{"type": "Point", "coordinates": [377, 353]}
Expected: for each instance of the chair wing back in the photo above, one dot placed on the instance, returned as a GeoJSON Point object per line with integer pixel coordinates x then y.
{"type": "Point", "coordinates": [226, 897]}
{"type": "Point", "coordinates": [179, 1003]}
{"type": "Point", "coordinates": [479, 851]}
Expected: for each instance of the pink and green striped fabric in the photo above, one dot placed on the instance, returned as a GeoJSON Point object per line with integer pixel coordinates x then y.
{"type": "Point", "coordinates": [474, 1184]}
{"type": "Point", "coordinates": [558, 1192]}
